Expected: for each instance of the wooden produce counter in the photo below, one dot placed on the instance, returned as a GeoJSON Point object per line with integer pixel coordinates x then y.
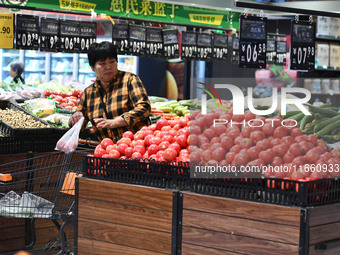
{"type": "Point", "coordinates": [121, 218]}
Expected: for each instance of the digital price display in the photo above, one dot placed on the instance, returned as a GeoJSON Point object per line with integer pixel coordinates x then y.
{"type": "Point", "coordinates": [154, 42]}
{"type": "Point", "coordinates": [27, 32]}
{"type": "Point", "coordinates": [49, 34]}
{"type": "Point", "coordinates": [7, 30]}
{"type": "Point", "coordinates": [137, 40]}
{"type": "Point", "coordinates": [120, 37]}
{"type": "Point", "coordinates": [271, 51]}
{"type": "Point", "coordinates": [204, 47]}
{"type": "Point", "coordinates": [189, 45]}
{"type": "Point", "coordinates": [253, 42]}
{"type": "Point", "coordinates": [302, 53]}
{"type": "Point", "coordinates": [171, 43]}
{"type": "Point", "coordinates": [88, 35]}
{"type": "Point", "coordinates": [281, 53]}
{"type": "Point", "coordinates": [220, 47]}
{"type": "Point", "coordinates": [69, 36]}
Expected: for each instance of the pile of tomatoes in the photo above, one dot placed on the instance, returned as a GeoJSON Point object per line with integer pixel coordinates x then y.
{"type": "Point", "coordinates": [167, 140]}
{"type": "Point", "coordinates": [68, 100]}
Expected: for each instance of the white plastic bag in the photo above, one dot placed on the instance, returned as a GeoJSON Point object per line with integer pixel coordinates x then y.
{"type": "Point", "coordinates": [69, 141]}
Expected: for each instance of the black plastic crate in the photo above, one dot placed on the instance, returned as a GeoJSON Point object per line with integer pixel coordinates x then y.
{"type": "Point", "coordinates": [8, 130]}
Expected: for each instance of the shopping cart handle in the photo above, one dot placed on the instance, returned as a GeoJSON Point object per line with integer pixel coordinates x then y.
{"type": "Point", "coordinates": [5, 177]}
{"type": "Point", "coordinates": [82, 141]}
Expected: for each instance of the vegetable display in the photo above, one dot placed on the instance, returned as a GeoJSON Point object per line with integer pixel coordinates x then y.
{"type": "Point", "coordinates": [19, 119]}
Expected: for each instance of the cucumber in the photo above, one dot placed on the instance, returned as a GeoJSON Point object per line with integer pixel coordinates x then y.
{"type": "Point", "coordinates": [328, 138]}
{"type": "Point", "coordinates": [327, 129]}
{"type": "Point", "coordinates": [325, 105]}
{"type": "Point", "coordinates": [325, 123]}
{"type": "Point", "coordinates": [297, 117]}
{"type": "Point", "coordinates": [323, 111]}
{"type": "Point", "coordinates": [306, 119]}
{"type": "Point", "coordinates": [291, 113]}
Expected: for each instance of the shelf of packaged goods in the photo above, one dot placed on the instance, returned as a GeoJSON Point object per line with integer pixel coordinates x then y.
{"type": "Point", "coordinates": [329, 39]}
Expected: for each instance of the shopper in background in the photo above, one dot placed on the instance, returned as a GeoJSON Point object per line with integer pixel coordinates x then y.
{"type": "Point", "coordinates": [16, 70]}
{"type": "Point", "coordinates": [117, 101]}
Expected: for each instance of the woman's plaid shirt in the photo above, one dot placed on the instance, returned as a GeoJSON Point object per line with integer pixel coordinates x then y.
{"type": "Point", "coordinates": [125, 97]}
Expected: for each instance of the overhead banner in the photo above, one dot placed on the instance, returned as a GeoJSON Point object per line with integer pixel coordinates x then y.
{"type": "Point", "coordinates": [138, 9]}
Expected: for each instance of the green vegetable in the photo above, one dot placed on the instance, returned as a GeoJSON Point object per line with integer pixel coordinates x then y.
{"type": "Point", "coordinates": [327, 129]}
{"type": "Point", "coordinates": [291, 113]}
{"type": "Point", "coordinates": [328, 138]}
{"type": "Point", "coordinates": [306, 119]}
{"type": "Point", "coordinates": [323, 111]}
{"type": "Point", "coordinates": [154, 99]}
{"type": "Point", "coordinates": [325, 123]}
{"type": "Point", "coordinates": [297, 117]}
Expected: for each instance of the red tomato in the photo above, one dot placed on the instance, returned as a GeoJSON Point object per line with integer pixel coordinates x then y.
{"type": "Point", "coordinates": [295, 132]}
{"type": "Point", "coordinates": [236, 148]}
{"type": "Point", "coordinates": [296, 149]}
{"type": "Point", "coordinates": [139, 148]}
{"type": "Point", "coordinates": [256, 136]}
{"type": "Point", "coordinates": [182, 141]}
{"type": "Point", "coordinates": [170, 154]}
{"type": "Point", "coordinates": [288, 140]}
{"type": "Point", "coordinates": [268, 129]}
{"type": "Point", "coordinates": [175, 146]}
{"type": "Point", "coordinates": [253, 152]}
{"type": "Point", "coordinates": [193, 139]}
{"type": "Point", "coordinates": [209, 133]}
{"type": "Point", "coordinates": [110, 147]}
{"type": "Point", "coordinates": [195, 130]}
{"type": "Point", "coordinates": [155, 140]}
{"type": "Point", "coordinates": [267, 156]}
{"type": "Point", "coordinates": [218, 154]}
{"type": "Point", "coordinates": [275, 141]}
{"type": "Point", "coordinates": [161, 123]}
{"type": "Point", "coordinates": [312, 139]}
{"type": "Point", "coordinates": [301, 138]}
{"type": "Point", "coordinates": [246, 131]}
{"type": "Point", "coordinates": [128, 152]}
{"type": "Point", "coordinates": [121, 148]}
{"type": "Point", "coordinates": [299, 161]}
{"type": "Point", "coordinates": [124, 140]}
{"type": "Point", "coordinates": [153, 149]}
{"type": "Point", "coordinates": [99, 151]}
{"type": "Point", "coordinates": [114, 154]}
{"type": "Point", "coordinates": [163, 145]}
{"type": "Point", "coordinates": [227, 142]}
{"type": "Point", "coordinates": [136, 155]}
{"type": "Point", "coordinates": [280, 132]}
{"type": "Point", "coordinates": [288, 157]}
{"type": "Point", "coordinates": [240, 159]}
{"type": "Point", "coordinates": [219, 129]}
{"type": "Point", "coordinates": [277, 161]}
{"type": "Point", "coordinates": [183, 121]}
{"type": "Point", "coordinates": [280, 149]}
{"type": "Point", "coordinates": [248, 115]}
{"type": "Point", "coordinates": [263, 144]}
{"type": "Point", "coordinates": [246, 143]}
{"type": "Point", "coordinates": [229, 157]}
{"type": "Point", "coordinates": [128, 134]}
{"type": "Point", "coordinates": [147, 140]}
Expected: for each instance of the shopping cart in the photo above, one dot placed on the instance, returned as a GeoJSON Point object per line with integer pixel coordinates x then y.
{"type": "Point", "coordinates": [42, 187]}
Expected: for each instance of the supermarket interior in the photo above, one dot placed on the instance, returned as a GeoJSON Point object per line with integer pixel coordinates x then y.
{"type": "Point", "coordinates": [170, 127]}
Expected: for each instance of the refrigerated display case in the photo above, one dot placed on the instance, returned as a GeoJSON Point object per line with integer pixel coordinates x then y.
{"type": "Point", "coordinates": [35, 67]}
{"type": "Point", "coordinates": [86, 75]}
{"type": "Point", "coordinates": [63, 67]}
{"type": "Point", "coordinates": [7, 56]}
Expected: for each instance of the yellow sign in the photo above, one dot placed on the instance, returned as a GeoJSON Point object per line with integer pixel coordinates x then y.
{"type": "Point", "coordinates": [206, 19]}
{"type": "Point", "coordinates": [6, 30]}
{"type": "Point", "coordinates": [76, 5]}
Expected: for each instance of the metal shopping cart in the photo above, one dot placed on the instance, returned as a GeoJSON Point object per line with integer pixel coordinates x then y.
{"type": "Point", "coordinates": [42, 187]}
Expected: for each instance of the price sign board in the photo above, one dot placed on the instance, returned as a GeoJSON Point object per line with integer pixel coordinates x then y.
{"type": "Point", "coordinates": [302, 53]}
{"type": "Point", "coordinates": [69, 36]}
{"type": "Point", "coordinates": [49, 34]}
{"type": "Point", "coordinates": [253, 42]}
{"type": "Point", "coordinates": [171, 43]}
{"type": "Point", "coordinates": [120, 37]}
{"type": "Point", "coordinates": [137, 40]}
{"type": "Point", "coordinates": [27, 32]}
{"type": "Point", "coordinates": [88, 35]}
{"type": "Point", "coordinates": [281, 53]}
{"type": "Point", "coordinates": [204, 47]}
{"type": "Point", "coordinates": [7, 30]}
{"type": "Point", "coordinates": [154, 42]}
{"type": "Point", "coordinates": [220, 47]}
{"type": "Point", "coordinates": [189, 45]}
{"type": "Point", "coordinates": [271, 51]}
{"type": "Point", "coordinates": [235, 56]}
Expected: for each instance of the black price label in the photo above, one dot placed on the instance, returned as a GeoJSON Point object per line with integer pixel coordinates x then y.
{"type": "Point", "coordinates": [120, 38]}
{"type": "Point", "coordinates": [49, 34]}
{"type": "Point", "coordinates": [137, 40]}
{"type": "Point", "coordinates": [302, 53]}
{"type": "Point", "coordinates": [171, 45]}
{"type": "Point", "coordinates": [220, 47]}
{"type": "Point", "coordinates": [281, 53]}
{"type": "Point", "coordinates": [88, 35]}
{"type": "Point", "coordinates": [189, 45]}
{"type": "Point", "coordinates": [271, 51]}
{"type": "Point", "coordinates": [69, 36]}
{"type": "Point", "coordinates": [253, 42]}
{"type": "Point", "coordinates": [154, 42]}
{"type": "Point", "coordinates": [27, 35]}
{"type": "Point", "coordinates": [235, 56]}
{"type": "Point", "coordinates": [204, 47]}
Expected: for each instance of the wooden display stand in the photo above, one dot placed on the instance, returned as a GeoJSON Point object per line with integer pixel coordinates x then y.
{"type": "Point", "coordinates": [128, 219]}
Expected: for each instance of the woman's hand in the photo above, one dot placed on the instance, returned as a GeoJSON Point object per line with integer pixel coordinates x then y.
{"type": "Point", "coordinates": [104, 123]}
{"type": "Point", "coordinates": [75, 118]}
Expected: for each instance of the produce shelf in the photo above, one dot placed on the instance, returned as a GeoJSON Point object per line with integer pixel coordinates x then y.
{"type": "Point", "coordinates": [176, 175]}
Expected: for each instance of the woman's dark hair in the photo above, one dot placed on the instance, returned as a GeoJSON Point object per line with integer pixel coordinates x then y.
{"type": "Point", "coordinates": [18, 67]}
{"type": "Point", "coordinates": [101, 51]}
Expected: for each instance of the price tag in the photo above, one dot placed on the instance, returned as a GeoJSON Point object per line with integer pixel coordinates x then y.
{"type": "Point", "coordinates": [137, 40]}
{"type": "Point", "coordinates": [49, 34]}
{"type": "Point", "coordinates": [235, 57]}
{"type": "Point", "coordinates": [271, 51]}
{"type": "Point", "coordinates": [220, 47]}
{"type": "Point", "coordinates": [171, 45]}
{"type": "Point", "coordinates": [302, 53]}
{"type": "Point", "coordinates": [69, 36]}
{"type": "Point", "coordinates": [204, 47]}
{"type": "Point", "coordinates": [6, 30]}
{"type": "Point", "coordinates": [253, 42]}
{"type": "Point", "coordinates": [281, 53]}
{"type": "Point", "coordinates": [88, 35]}
{"type": "Point", "coordinates": [27, 32]}
{"type": "Point", "coordinates": [154, 42]}
{"type": "Point", "coordinates": [189, 45]}
{"type": "Point", "coordinates": [120, 38]}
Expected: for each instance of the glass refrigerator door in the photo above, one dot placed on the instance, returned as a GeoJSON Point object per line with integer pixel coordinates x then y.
{"type": "Point", "coordinates": [86, 75]}
{"type": "Point", "coordinates": [8, 56]}
{"type": "Point", "coordinates": [62, 67]}
{"type": "Point", "coordinates": [35, 67]}
{"type": "Point", "coordinates": [128, 63]}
